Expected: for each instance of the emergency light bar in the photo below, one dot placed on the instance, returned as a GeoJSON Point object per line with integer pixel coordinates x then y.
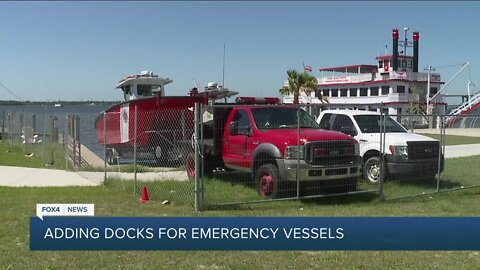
{"type": "Point", "coordinates": [257, 100]}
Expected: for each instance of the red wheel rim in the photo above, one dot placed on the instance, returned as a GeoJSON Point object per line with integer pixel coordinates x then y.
{"type": "Point", "coordinates": [266, 184]}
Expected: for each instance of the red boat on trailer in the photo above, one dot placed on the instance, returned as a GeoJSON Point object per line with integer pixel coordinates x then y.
{"type": "Point", "coordinates": [159, 125]}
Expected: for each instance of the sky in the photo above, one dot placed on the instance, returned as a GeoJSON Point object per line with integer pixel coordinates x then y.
{"type": "Point", "coordinates": [80, 50]}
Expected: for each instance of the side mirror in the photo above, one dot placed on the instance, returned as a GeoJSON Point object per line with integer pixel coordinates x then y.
{"type": "Point", "coordinates": [351, 131]}
{"type": "Point", "coordinates": [249, 131]}
{"type": "Point", "coordinates": [233, 128]}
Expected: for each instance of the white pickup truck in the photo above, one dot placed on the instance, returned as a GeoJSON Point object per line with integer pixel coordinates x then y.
{"type": "Point", "coordinates": [407, 154]}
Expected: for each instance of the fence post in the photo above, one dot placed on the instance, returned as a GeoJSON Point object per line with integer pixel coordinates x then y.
{"type": "Point", "coordinates": [10, 126]}
{"type": "Point", "coordinates": [72, 136]}
{"type": "Point", "coordinates": [441, 149]}
{"type": "Point", "coordinates": [135, 151]}
{"type": "Point", "coordinates": [104, 145]}
{"type": "Point", "coordinates": [298, 153]}
{"type": "Point", "coordinates": [198, 205]}
{"type": "Point", "coordinates": [382, 152]}
{"type": "Point", "coordinates": [77, 135]}
{"type": "Point", "coordinates": [66, 140]}
{"type": "Point", "coordinates": [3, 123]}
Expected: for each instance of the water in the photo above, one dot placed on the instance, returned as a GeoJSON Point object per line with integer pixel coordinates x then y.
{"type": "Point", "coordinates": [87, 114]}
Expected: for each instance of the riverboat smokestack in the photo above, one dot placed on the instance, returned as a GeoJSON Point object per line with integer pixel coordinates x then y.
{"type": "Point", "coordinates": [416, 37]}
{"type": "Point", "coordinates": [395, 49]}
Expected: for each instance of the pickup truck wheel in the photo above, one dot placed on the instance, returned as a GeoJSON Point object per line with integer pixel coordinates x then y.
{"type": "Point", "coordinates": [371, 170]}
{"type": "Point", "coordinates": [267, 181]}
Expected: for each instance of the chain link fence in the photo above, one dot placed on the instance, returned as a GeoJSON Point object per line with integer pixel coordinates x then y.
{"type": "Point", "coordinates": [413, 162]}
{"type": "Point", "coordinates": [456, 145]}
{"type": "Point", "coordinates": [462, 153]}
{"type": "Point", "coordinates": [149, 148]}
{"type": "Point", "coordinates": [259, 153]}
{"type": "Point", "coordinates": [34, 129]}
{"type": "Point", "coordinates": [252, 153]}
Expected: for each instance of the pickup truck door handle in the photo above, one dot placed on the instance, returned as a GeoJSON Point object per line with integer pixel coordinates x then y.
{"type": "Point", "coordinates": [255, 142]}
{"type": "Point", "coordinates": [363, 140]}
{"type": "Point", "coordinates": [226, 140]}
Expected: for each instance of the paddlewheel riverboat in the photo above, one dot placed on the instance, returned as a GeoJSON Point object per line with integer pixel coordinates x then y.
{"type": "Point", "coordinates": [395, 80]}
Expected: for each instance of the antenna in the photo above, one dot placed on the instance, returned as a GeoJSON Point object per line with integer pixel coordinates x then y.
{"type": "Point", "coordinates": [223, 75]}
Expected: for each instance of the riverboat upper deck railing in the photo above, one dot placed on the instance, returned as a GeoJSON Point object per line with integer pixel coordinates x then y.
{"type": "Point", "coordinates": [368, 77]}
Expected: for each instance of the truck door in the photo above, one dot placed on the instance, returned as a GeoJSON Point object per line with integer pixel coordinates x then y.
{"type": "Point", "coordinates": [235, 140]}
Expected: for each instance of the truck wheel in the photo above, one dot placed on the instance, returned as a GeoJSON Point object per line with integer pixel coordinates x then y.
{"type": "Point", "coordinates": [159, 154]}
{"type": "Point", "coordinates": [371, 170]}
{"type": "Point", "coordinates": [267, 181]}
{"type": "Point", "coordinates": [110, 157]}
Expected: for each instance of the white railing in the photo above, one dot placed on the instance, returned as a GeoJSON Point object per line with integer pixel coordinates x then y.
{"type": "Point", "coordinates": [395, 75]}
{"type": "Point", "coordinates": [464, 106]}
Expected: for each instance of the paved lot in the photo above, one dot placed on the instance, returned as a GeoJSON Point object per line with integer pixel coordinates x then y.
{"type": "Point", "coordinates": [469, 132]}
{"type": "Point", "coordinates": [464, 150]}
{"type": "Point", "coordinates": [32, 177]}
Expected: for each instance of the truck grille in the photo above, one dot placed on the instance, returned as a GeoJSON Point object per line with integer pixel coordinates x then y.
{"type": "Point", "coordinates": [329, 152]}
{"type": "Point", "coordinates": [422, 150]}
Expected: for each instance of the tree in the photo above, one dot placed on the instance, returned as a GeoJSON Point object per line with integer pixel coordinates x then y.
{"type": "Point", "coordinates": [416, 105]}
{"type": "Point", "coordinates": [298, 83]}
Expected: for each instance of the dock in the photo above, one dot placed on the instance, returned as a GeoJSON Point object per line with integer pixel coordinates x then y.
{"type": "Point", "coordinates": [90, 157]}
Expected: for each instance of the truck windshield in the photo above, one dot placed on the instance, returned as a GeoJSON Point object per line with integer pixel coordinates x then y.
{"type": "Point", "coordinates": [371, 124]}
{"type": "Point", "coordinates": [276, 118]}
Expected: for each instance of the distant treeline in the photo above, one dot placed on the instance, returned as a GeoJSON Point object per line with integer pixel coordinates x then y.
{"type": "Point", "coordinates": [96, 102]}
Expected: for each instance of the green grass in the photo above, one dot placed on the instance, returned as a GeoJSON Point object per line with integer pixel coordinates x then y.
{"type": "Point", "coordinates": [128, 168]}
{"type": "Point", "coordinates": [116, 198]}
{"type": "Point", "coordinates": [454, 139]}
{"type": "Point", "coordinates": [11, 155]}
{"type": "Point", "coordinates": [49, 155]}
{"type": "Point", "coordinates": [18, 204]}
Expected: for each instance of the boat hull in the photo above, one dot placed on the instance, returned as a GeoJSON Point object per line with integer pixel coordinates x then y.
{"type": "Point", "coordinates": [149, 122]}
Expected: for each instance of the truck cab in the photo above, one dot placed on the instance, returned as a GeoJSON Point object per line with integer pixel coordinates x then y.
{"type": "Point", "coordinates": [278, 144]}
{"type": "Point", "coordinates": [407, 153]}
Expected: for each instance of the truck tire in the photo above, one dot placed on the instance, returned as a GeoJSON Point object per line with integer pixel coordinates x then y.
{"type": "Point", "coordinates": [371, 170]}
{"type": "Point", "coordinates": [158, 152]}
{"type": "Point", "coordinates": [267, 180]}
{"type": "Point", "coordinates": [110, 157]}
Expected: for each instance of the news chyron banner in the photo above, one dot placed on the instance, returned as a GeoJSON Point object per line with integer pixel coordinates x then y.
{"type": "Point", "coordinates": [253, 233]}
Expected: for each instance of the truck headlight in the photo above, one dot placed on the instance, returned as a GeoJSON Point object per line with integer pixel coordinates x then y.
{"type": "Point", "coordinates": [356, 148]}
{"type": "Point", "coordinates": [294, 152]}
{"type": "Point", "coordinates": [399, 150]}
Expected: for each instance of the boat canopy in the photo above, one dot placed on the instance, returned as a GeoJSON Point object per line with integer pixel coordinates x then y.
{"type": "Point", "coordinates": [138, 79]}
{"type": "Point", "coordinates": [143, 85]}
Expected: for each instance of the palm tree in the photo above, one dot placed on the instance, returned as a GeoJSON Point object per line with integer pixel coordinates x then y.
{"type": "Point", "coordinates": [297, 83]}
